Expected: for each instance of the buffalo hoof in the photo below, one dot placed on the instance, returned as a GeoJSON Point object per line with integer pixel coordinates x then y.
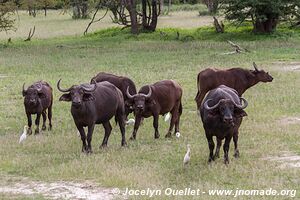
{"type": "Point", "coordinates": [49, 128]}
{"type": "Point", "coordinates": [168, 135]}
{"type": "Point", "coordinates": [216, 156]}
{"type": "Point", "coordinates": [236, 154]}
{"type": "Point", "coordinates": [132, 138]}
{"type": "Point", "coordinates": [89, 151]}
{"type": "Point", "coordinates": [29, 131]}
{"type": "Point", "coordinates": [44, 128]}
{"type": "Point", "coordinates": [226, 161]}
{"type": "Point", "coordinates": [103, 146]}
{"type": "Point", "coordinates": [37, 131]}
{"type": "Point", "coordinates": [124, 144]}
{"type": "Point", "coordinates": [210, 160]}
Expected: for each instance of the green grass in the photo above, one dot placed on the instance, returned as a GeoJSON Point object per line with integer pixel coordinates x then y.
{"type": "Point", "coordinates": [148, 58]}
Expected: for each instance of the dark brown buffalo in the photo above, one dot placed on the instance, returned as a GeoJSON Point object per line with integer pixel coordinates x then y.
{"type": "Point", "coordinates": [95, 104]}
{"type": "Point", "coordinates": [221, 114]}
{"type": "Point", "coordinates": [37, 99]}
{"type": "Point", "coordinates": [236, 78]}
{"type": "Point", "coordinates": [120, 82]}
{"type": "Point", "coordinates": [157, 99]}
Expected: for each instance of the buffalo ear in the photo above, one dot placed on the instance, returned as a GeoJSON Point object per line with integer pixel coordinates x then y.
{"type": "Point", "coordinates": [41, 95]}
{"type": "Point", "coordinates": [88, 97]}
{"type": "Point", "coordinates": [239, 113]}
{"type": "Point", "coordinates": [151, 102]}
{"type": "Point", "coordinates": [65, 97]}
{"type": "Point", "coordinates": [128, 102]}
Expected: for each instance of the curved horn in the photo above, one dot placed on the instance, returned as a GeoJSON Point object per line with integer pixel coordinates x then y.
{"type": "Point", "coordinates": [128, 94]}
{"type": "Point", "coordinates": [94, 84]}
{"type": "Point", "coordinates": [255, 66]}
{"type": "Point", "coordinates": [241, 106]}
{"type": "Point", "coordinates": [210, 108]}
{"type": "Point", "coordinates": [149, 93]}
{"type": "Point", "coordinates": [62, 90]}
{"type": "Point", "coordinates": [23, 88]}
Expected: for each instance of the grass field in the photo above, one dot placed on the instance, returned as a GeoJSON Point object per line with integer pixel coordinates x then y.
{"type": "Point", "coordinates": [149, 163]}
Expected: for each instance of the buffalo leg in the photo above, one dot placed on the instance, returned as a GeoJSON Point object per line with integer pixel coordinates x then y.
{"type": "Point", "coordinates": [179, 112]}
{"type": "Point", "coordinates": [235, 140]}
{"type": "Point", "coordinates": [155, 126]}
{"type": "Point", "coordinates": [44, 120]}
{"type": "Point", "coordinates": [50, 117]}
{"type": "Point", "coordinates": [107, 128]}
{"type": "Point", "coordinates": [37, 123]}
{"type": "Point", "coordinates": [172, 123]}
{"type": "Point", "coordinates": [226, 149]}
{"type": "Point", "coordinates": [211, 146]}
{"type": "Point", "coordinates": [219, 144]}
{"type": "Point", "coordinates": [89, 138]}
{"type": "Point", "coordinates": [136, 127]}
{"type": "Point", "coordinates": [121, 121]}
{"type": "Point", "coordinates": [29, 122]}
{"type": "Point", "coordinates": [83, 139]}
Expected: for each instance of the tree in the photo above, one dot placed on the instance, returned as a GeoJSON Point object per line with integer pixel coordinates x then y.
{"type": "Point", "coordinates": [212, 5]}
{"type": "Point", "coordinates": [7, 10]}
{"type": "Point", "coordinates": [264, 14]}
{"type": "Point", "coordinates": [46, 4]}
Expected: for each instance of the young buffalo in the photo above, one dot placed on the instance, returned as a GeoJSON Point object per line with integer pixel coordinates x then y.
{"type": "Point", "coordinates": [95, 104]}
{"type": "Point", "coordinates": [122, 83]}
{"type": "Point", "coordinates": [236, 78]}
{"type": "Point", "coordinates": [221, 114]}
{"type": "Point", "coordinates": [37, 99]}
{"type": "Point", "coordinates": [157, 99]}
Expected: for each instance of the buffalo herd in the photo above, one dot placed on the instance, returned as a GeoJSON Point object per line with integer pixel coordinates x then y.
{"type": "Point", "coordinates": [219, 101]}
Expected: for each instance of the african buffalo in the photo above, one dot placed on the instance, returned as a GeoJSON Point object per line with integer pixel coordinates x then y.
{"type": "Point", "coordinates": [236, 78]}
{"type": "Point", "coordinates": [154, 100]}
{"type": "Point", "coordinates": [95, 104]}
{"type": "Point", "coordinates": [221, 114]}
{"type": "Point", "coordinates": [120, 82]}
{"type": "Point", "coordinates": [37, 99]}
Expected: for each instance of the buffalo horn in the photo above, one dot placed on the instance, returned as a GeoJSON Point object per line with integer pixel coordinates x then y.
{"type": "Point", "coordinates": [208, 107]}
{"type": "Point", "coordinates": [62, 90]}
{"type": "Point", "coordinates": [241, 106]}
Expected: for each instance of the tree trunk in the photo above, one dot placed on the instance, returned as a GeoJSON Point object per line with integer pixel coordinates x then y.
{"type": "Point", "coordinates": [154, 17]}
{"type": "Point", "coordinates": [144, 14]}
{"type": "Point", "coordinates": [212, 6]}
{"type": "Point", "coordinates": [162, 6]}
{"type": "Point", "coordinates": [84, 10]}
{"type": "Point", "coordinates": [267, 26]}
{"type": "Point", "coordinates": [131, 7]}
{"type": "Point", "coordinates": [45, 9]}
{"type": "Point", "coordinates": [169, 6]}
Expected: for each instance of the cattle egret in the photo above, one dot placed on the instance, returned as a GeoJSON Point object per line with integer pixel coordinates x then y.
{"type": "Point", "coordinates": [167, 117]}
{"type": "Point", "coordinates": [130, 122]}
{"type": "Point", "coordinates": [78, 134]}
{"type": "Point", "coordinates": [24, 134]}
{"type": "Point", "coordinates": [177, 134]}
{"type": "Point", "coordinates": [187, 156]}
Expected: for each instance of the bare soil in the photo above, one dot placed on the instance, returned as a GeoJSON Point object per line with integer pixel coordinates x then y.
{"type": "Point", "coordinates": [60, 190]}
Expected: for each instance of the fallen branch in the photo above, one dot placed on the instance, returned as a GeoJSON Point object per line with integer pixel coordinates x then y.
{"type": "Point", "coordinates": [30, 35]}
{"type": "Point", "coordinates": [237, 48]}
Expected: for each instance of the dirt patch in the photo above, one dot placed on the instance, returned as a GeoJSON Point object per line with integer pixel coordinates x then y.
{"type": "Point", "coordinates": [61, 190]}
{"type": "Point", "coordinates": [286, 159]}
{"type": "Point", "coordinates": [287, 66]}
{"type": "Point", "coordinates": [290, 120]}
